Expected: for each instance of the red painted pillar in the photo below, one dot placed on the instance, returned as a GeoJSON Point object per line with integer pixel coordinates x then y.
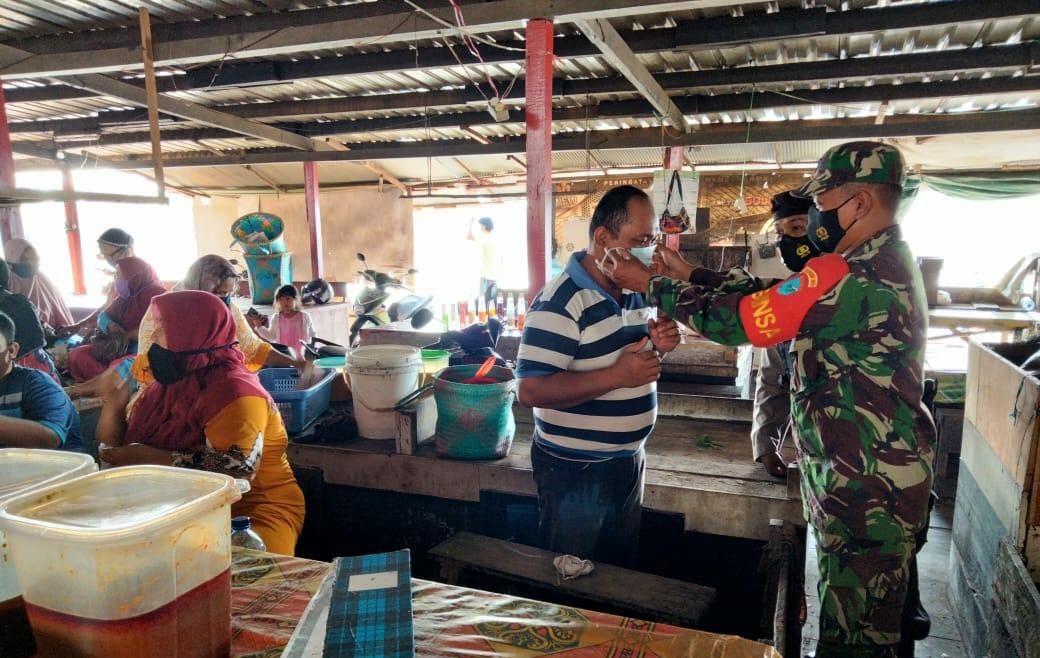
{"type": "Point", "coordinates": [310, 190]}
{"type": "Point", "coordinates": [673, 161]}
{"type": "Point", "coordinates": [10, 218]}
{"type": "Point", "coordinates": [538, 84]}
{"type": "Point", "coordinates": [79, 285]}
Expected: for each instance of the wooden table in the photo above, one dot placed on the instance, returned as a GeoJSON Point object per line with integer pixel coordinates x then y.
{"type": "Point", "coordinates": [701, 469]}
{"type": "Point", "coordinates": [967, 317]}
{"type": "Point", "coordinates": [270, 592]}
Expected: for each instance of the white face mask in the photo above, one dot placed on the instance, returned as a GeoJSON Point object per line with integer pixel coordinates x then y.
{"type": "Point", "coordinates": [644, 255]}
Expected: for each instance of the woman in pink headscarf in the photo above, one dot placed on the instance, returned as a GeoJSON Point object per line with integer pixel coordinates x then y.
{"type": "Point", "coordinates": [26, 279]}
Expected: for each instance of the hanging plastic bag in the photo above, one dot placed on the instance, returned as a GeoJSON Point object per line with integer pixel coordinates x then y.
{"type": "Point", "coordinates": [674, 223]}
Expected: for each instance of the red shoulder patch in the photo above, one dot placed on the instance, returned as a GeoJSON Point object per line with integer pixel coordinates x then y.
{"type": "Point", "coordinates": [775, 315]}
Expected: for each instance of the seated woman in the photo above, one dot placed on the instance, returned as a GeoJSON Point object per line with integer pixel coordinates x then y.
{"type": "Point", "coordinates": [26, 279]}
{"type": "Point", "coordinates": [28, 330]}
{"type": "Point", "coordinates": [118, 324]}
{"type": "Point", "coordinates": [211, 274]}
{"type": "Point", "coordinates": [207, 411]}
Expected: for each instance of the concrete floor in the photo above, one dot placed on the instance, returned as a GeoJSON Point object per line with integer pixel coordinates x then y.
{"type": "Point", "coordinates": [933, 562]}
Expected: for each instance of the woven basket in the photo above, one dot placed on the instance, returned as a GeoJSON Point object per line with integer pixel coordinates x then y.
{"type": "Point", "coordinates": [474, 421]}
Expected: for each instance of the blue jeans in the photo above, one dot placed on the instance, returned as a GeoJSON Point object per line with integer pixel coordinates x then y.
{"type": "Point", "coordinates": [590, 509]}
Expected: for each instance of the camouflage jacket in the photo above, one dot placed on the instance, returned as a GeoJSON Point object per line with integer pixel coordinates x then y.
{"type": "Point", "coordinates": [863, 434]}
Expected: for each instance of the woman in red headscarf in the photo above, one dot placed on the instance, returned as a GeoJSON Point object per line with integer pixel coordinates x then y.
{"type": "Point", "coordinates": [135, 285]}
{"type": "Point", "coordinates": [206, 410]}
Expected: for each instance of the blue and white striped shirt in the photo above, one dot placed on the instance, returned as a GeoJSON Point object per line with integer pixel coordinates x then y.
{"type": "Point", "coordinates": [574, 325]}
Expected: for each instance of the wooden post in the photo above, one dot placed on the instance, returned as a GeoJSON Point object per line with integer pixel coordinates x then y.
{"type": "Point", "coordinates": [153, 97]}
{"type": "Point", "coordinates": [673, 161]}
{"type": "Point", "coordinates": [10, 218]}
{"type": "Point", "coordinates": [310, 189]}
{"type": "Point", "coordinates": [539, 71]}
{"type": "Point", "coordinates": [79, 285]}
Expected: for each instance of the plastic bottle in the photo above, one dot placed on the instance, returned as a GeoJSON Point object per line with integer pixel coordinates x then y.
{"type": "Point", "coordinates": [500, 307]}
{"type": "Point", "coordinates": [242, 534]}
{"type": "Point", "coordinates": [521, 312]}
{"type": "Point", "coordinates": [463, 314]}
{"type": "Point", "coordinates": [444, 317]}
{"type": "Point", "coordinates": [510, 310]}
{"type": "Point", "coordinates": [471, 313]}
{"type": "Point", "coordinates": [482, 311]}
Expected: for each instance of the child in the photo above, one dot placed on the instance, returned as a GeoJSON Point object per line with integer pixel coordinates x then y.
{"type": "Point", "coordinates": [290, 325]}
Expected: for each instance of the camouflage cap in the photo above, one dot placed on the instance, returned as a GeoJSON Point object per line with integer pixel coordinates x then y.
{"type": "Point", "coordinates": [856, 162]}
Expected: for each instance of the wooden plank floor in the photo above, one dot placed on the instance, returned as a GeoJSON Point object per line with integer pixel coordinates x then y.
{"type": "Point", "coordinates": [933, 563]}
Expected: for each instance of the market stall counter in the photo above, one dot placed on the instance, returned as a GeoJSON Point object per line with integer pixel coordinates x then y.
{"type": "Point", "coordinates": [270, 593]}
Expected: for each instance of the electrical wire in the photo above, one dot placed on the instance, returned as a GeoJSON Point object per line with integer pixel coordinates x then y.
{"type": "Point", "coordinates": [441, 21]}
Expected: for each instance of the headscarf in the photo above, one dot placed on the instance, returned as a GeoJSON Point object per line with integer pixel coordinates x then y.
{"type": "Point", "coordinates": [144, 284]}
{"type": "Point", "coordinates": [174, 416]}
{"type": "Point", "coordinates": [40, 290]}
{"type": "Point", "coordinates": [27, 329]}
{"type": "Point", "coordinates": [213, 268]}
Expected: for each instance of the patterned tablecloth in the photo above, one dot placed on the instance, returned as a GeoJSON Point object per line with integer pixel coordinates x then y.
{"type": "Point", "coordinates": [270, 593]}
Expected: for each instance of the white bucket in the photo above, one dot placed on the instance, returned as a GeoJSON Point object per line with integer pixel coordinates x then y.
{"type": "Point", "coordinates": [380, 375]}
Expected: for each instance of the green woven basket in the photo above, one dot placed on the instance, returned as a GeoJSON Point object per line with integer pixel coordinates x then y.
{"type": "Point", "coordinates": [474, 421]}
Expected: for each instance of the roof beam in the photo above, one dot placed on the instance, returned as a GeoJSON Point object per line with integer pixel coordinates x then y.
{"type": "Point", "coordinates": [991, 58]}
{"type": "Point", "coordinates": [384, 174]}
{"type": "Point", "coordinates": [352, 26]}
{"type": "Point", "coordinates": [603, 35]}
{"type": "Point", "coordinates": [688, 35]}
{"type": "Point", "coordinates": [606, 109]}
{"type": "Point", "coordinates": [199, 113]}
{"type": "Point", "coordinates": [733, 133]}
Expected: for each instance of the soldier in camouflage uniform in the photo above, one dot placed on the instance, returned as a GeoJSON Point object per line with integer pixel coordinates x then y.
{"type": "Point", "coordinates": [864, 437]}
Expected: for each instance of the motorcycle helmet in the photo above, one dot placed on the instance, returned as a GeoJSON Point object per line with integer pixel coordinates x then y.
{"type": "Point", "coordinates": [317, 291]}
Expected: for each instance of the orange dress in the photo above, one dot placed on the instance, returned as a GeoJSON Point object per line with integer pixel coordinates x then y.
{"type": "Point", "coordinates": [250, 430]}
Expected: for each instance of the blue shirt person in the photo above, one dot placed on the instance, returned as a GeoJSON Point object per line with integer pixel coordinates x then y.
{"type": "Point", "coordinates": [34, 411]}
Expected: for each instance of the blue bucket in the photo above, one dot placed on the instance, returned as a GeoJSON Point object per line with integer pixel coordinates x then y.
{"type": "Point", "coordinates": [259, 233]}
{"type": "Point", "coordinates": [267, 274]}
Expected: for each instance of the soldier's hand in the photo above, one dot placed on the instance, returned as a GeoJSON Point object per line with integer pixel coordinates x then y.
{"type": "Point", "coordinates": [668, 262]}
{"type": "Point", "coordinates": [774, 465]}
{"type": "Point", "coordinates": [637, 366]}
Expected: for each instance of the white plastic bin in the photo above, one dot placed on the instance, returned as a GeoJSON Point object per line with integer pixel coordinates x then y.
{"type": "Point", "coordinates": [131, 561]}
{"type": "Point", "coordinates": [22, 470]}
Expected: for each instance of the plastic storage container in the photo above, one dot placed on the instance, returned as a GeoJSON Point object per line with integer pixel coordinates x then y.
{"type": "Point", "coordinates": [299, 408]}
{"type": "Point", "coordinates": [380, 376]}
{"type": "Point", "coordinates": [21, 471]}
{"type": "Point", "coordinates": [131, 561]}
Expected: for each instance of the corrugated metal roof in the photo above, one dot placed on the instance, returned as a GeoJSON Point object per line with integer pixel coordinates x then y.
{"type": "Point", "coordinates": [21, 18]}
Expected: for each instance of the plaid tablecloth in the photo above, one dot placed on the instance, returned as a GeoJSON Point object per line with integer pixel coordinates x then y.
{"type": "Point", "coordinates": [270, 593]}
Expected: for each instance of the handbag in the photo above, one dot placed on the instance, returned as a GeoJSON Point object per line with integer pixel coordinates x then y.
{"type": "Point", "coordinates": [672, 224]}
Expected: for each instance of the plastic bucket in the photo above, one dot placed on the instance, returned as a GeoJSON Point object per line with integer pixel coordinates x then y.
{"type": "Point", "coordinates": [267, 274]}
{"type": "Point", "coordinates": [380, 375]}
{"type": "Point", "coordinates": [259, 233]}
{"type": "Point", "coordinates": [474, 421]}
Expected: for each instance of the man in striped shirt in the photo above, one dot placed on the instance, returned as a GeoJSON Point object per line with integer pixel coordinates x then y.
{"type": "Point", "coordinates": [588, 364]}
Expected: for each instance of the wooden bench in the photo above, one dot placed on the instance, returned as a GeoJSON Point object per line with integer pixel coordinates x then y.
{"type": "Point", "coordinates": [653, 598]}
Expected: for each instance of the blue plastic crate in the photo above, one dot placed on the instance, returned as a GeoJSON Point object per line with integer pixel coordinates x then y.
{"type": "Point", "coordinates": [298, 408]}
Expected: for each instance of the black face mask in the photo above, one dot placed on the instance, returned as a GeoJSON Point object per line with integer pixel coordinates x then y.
{"type": "Point", "coordinates": [796, 252]}
{"type": "Point", "coordinates": [825, 229]}
{"type": "Point", "coordinates": [166, 365]}
{"type": "Point", "coordinates": [24, 270]}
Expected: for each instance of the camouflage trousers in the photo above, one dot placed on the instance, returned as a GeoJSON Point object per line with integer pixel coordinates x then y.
{"type": "Point", "coordinates": [863, 586]}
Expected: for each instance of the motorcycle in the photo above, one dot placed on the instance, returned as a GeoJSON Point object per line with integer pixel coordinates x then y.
{"type": "Point", "coordinates": [370, 306]}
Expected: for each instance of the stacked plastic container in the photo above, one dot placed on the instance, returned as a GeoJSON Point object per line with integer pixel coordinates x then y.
{"type": "Point", "coordinates": [22, 471]}
{"type": "Point", "coordinates": [131, 561]}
